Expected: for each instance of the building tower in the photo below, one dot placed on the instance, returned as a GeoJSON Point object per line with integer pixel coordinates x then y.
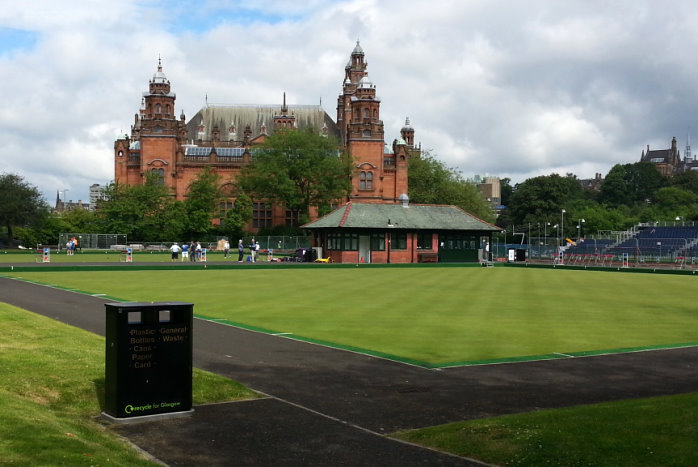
{"type": "Point", "coordinates": [362, 134]}
{"type": "Point", "coordinates": [687, 157]}
{"type": "Point", "coordinates": [407, 133]}
{"type": "Point", "coordinates": [155, 135]}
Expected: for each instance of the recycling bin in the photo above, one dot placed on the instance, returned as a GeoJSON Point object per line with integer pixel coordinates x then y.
{"type": "Point", "coordinates": [148, 359]}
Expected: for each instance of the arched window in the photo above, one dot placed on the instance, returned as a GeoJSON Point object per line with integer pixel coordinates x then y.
{"type": "Point", "coordinates": [158, 108]}
{"type": "Point", "coordinates": [159, 175]}
{"type": "Point", "coordinates": [366, 181]}
{"type": "Point", "coordinates": [367, 113]}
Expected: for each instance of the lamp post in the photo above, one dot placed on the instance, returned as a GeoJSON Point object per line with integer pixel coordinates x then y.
{"type": "Point", "coordinates": [562, 227]}
{"type": "Point", "coordinates": [529, 239]}
{"type": "Point", "coordinates": [579, 229]}
{"type": "Point", "coordinates": [545, 235]}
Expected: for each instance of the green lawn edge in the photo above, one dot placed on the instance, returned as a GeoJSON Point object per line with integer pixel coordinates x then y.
{"type": "Point", "coordinates": [637, 432]}
{"type": "Point", "coordinates": [52, 393]}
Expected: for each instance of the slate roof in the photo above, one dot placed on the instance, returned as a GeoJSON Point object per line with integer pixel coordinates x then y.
{"type": "Point", "coordinates": [223, 116]}
{"type": "Point", "coordinates": [656, 154]}
{"type": "Point", "coordinates": [412, 217]}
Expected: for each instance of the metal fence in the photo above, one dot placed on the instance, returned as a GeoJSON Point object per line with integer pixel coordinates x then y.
{"type": "Point", "coordinates": [120, 242]}
{"type": "Point", "coordinates": [91, 241]}
{"type": "Point", "coordinates": [633, 251]}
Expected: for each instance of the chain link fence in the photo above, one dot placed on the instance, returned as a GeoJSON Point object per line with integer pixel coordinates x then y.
{"type": "Point", "coordinates": [85, 241]}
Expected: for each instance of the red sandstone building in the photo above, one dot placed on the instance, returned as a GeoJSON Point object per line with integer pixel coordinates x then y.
{"type": "Point", "coordinates": [221, 137]}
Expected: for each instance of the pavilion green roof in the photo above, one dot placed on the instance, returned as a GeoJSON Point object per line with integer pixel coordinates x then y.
{"type": "Point", "coordinates": [399, 216]}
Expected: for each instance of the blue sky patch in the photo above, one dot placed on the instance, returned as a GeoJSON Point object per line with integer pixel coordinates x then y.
{"type": "Point", "coordinates": [12, 40]}
{"type": "Point", "coordinates": [209, 16]}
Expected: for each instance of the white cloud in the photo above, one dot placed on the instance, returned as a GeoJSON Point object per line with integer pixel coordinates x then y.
{"type": "Point", "coordinates": [504, 88]}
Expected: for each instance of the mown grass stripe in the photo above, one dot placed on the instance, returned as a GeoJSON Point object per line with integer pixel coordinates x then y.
{"type": "Point", "coordinates": [315, 341]}
{"type": "Point", "coordinates": [558, 355]}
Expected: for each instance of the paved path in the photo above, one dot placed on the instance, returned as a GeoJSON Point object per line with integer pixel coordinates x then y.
{"type": "Point", "coordinates": [332, 406]}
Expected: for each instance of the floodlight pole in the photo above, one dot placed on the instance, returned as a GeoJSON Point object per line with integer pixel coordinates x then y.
{"type": "Point", "coordinates": [545, 235]}
{"type": "Point", "coordinates": [562, 227]}
{"type": "Point", "coordinates": [579, 229]}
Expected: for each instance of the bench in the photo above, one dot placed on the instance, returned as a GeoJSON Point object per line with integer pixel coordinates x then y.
{"type": "Point", "coordinates": [427, 257]}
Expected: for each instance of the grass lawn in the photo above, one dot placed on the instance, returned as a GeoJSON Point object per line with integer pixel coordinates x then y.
{"type": "Point", "coordinates": [429, 316]}
{"type": "Point", "coordinates": [91, 256]}
{"type": "Point", "coordinates": [50, 392]}
{"type": "Point", "coordinates": [644, 432]}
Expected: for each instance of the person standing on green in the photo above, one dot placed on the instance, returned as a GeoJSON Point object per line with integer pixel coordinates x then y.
{"type": "Point", "coordinates": [241, 251]}
{"type": "Point", "coordinates": [253, 250]}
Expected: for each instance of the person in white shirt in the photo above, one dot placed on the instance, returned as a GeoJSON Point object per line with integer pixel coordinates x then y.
{"type": "Point", "coordinates": [175, 249]}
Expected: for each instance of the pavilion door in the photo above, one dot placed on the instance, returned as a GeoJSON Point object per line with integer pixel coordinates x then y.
{"type": "Point", "coordinates": [364, 248]}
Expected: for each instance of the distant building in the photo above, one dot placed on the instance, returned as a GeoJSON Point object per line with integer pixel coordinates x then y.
{"type": "Point", "coordinates": [592, 184]}
{"type": "Point", "coordinates": [668, 161]}
{"type": "Point", "coordinates": [491, 190]}
{"type": "Point", "coordinates": [97, 192]}
{"type": "Point", "coordinates": [62, 206]}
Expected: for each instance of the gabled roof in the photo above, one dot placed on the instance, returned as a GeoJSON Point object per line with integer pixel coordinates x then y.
{"type": "Point", "coordinates": [255, 116]}
{"type": "Point", "coordinates": [411, 216]}
{"type": "Point", "coordinates": [656, 154]}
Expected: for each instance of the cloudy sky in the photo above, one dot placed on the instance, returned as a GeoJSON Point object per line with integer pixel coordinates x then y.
{"type": "Point", "coordinates": [506, 88]}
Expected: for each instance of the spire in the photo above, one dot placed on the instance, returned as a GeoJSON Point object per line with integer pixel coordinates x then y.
{"type": "Point", "coordinates": [688, 157]}
{"type": "Point", "coordinates": [357, 50]}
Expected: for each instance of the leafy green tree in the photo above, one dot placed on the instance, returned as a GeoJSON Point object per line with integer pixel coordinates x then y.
{"type": "Point", "coordinates": [506, 190]}
{"type": "Point", "coordinates": [21, 204]}
{"type": "Point", "coordinates": [432, 182]}
{"type": "Point", "coordinates": [144, 212]}
{"type": "Point", "coordinates": [630, 184]}
{"type": "Point", "coordinates": [541, 199]}
{"type": "Point", "coordinates": [237, 218]}
{"type": "Point", "coordinates": [81, 220]}
{"type": "Point", "coordinates": [673, 202]}
{"type": "Point", "coordinates": [298, 169]}
{"type": "Point", "coordinates": [687, 180]}
{"type": "Point", "coordinates": [203, 202]}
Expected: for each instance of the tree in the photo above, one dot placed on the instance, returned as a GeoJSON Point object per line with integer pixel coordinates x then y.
{"type": "Point", "coordinates": [540, 199]}
{"type": "Point", "coordinates": [432, 182]}
{"type": "Point", "coordinates": [506, 190]}
{"type": "Point", "coordinates": [687, 180]}
{"type": "Point", "coordinates": [81, 220]}
{"type": "Point", "coordinates": [673, 202]}
{"type": "Point", "coordinates": [203, 203]}
{"type": "Point", "coordinates": [21, 203]}
{"type": "Point", "coordinates": [237, 218]}
{"type": "Point", "coordinates": [145, 212]}
{"type": "Point", "coordinates": [298, 169]}
{"type": "Point", "coordinates": [630, 184]}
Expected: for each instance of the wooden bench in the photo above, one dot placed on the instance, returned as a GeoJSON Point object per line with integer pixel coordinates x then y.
{"type": "Point", "coordinates": [427, 257]}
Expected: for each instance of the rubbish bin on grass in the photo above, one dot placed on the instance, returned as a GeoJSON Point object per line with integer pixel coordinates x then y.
{"type": "Point", "coordinates": [148, 359]}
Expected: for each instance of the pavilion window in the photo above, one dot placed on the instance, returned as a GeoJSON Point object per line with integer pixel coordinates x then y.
{"type": "Point", "coordinates": [398, 240]}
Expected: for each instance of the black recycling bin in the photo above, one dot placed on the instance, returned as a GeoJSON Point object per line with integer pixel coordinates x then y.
{"type": "Point", "coordinates": [148, 359]}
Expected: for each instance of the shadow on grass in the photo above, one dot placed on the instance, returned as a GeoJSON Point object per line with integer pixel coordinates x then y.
{"type": "Point", "coordinates": [99, 392]}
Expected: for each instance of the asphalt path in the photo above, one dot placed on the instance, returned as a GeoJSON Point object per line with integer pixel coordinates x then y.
{"type": "Point", "coordinates": [327, 405]}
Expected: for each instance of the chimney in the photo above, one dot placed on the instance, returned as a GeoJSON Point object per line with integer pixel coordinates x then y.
{"type": "Point", "coordinates": [405, 200]}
